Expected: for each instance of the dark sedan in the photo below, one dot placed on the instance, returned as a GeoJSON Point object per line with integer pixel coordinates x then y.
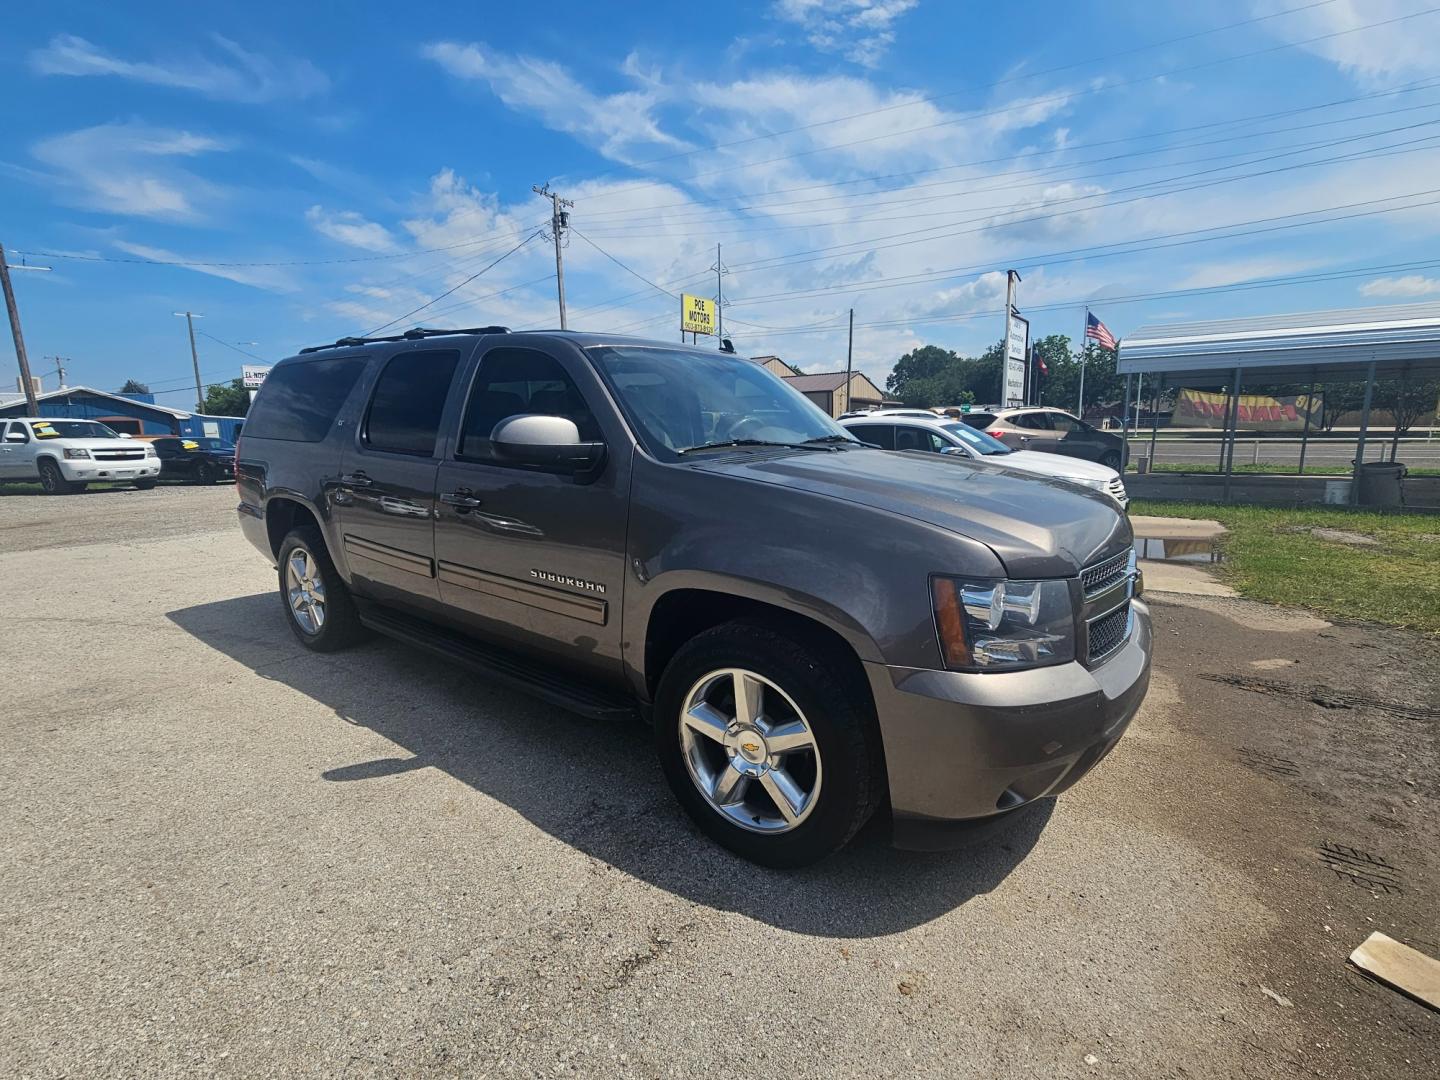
{"type": "Point", "coordinates": [200, 461]}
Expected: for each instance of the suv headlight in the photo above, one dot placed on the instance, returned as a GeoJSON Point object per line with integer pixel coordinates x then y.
{"type": "Point", "coordinates": [85, 454]}
{"type": "Point", "coordinates": [1003, 625]}
{"type": "Point", "coordinates": [150, 451]}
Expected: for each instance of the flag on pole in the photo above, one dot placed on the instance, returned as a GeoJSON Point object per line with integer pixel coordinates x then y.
{"type": "Point", "coordinates": [1040, 360]}
{"type": "Point", "coordinates": [1098, 332]}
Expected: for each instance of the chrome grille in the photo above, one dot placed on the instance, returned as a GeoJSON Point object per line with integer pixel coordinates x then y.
{"type": "Point", "coordinates": [1116, 488]}
{"type": "Point", "coordinates": [1099, 577]}
{"type": "Point", "coordinates": [117, 455]}
{"type": "Point", "coordinates": [1108, 633]}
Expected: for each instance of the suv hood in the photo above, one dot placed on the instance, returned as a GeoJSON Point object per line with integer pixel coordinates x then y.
{"type": "Point", "coordinates": [1038, 527]}
{"type": "Point", "coordinates": [95, 444]}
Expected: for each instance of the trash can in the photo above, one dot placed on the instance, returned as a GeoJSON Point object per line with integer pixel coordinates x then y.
{"type": "Point", "coordinates": [1381, 484]}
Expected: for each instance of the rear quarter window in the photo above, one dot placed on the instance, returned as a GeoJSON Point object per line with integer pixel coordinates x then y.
{"type": "Point", "coordinates": [980, 420]}
{"type": "Point", "coordinates": [299, 401]}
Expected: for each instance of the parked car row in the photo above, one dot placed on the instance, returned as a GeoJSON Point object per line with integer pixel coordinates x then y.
{"type": "Point", "coordinates": [66, 456]}
{"type": "Point", "coordinates": [814, 628]}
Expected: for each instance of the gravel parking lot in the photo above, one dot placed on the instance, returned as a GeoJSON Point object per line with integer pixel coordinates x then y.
{"type": "Point", "coordinates": [224, 855]}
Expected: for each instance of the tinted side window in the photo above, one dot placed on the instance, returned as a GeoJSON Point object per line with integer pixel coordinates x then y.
{"type": "Point", "coordinates": [882, 435]}
{"type": "Point", "coordinates": [1061, 422]}
{"type": "Point", "coordinates": [1033, 421]}
{"type": "Point", "coordinates": [17, 428]}
{"type": "Point", "coordinates": [909, 438]}
{"type": "Point", "coordinates": [980, 420]}
{"type": "Point", "coordinates": [513, 382]}
{"type": "Point", "coordinates": [298, 401]}
{"type": "Point", "coordinates": [404, 413]}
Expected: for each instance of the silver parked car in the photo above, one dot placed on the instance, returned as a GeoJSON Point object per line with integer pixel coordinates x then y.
{"type": "Point", "coordinates": [952, 437]}
{"type": "Point", "coordinates": [1051, 431]}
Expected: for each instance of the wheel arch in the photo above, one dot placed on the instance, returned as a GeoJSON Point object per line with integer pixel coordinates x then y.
{"type": "Point", "coordinates": [284, 513]}
{"type": "Point", "coordinates": [696, 603]}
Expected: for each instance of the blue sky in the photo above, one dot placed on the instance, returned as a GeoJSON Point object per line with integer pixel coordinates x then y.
{"type": "Point", "coordinates": [334, 171]}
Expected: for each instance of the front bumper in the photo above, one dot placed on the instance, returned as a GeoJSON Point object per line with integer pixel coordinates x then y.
{"type": "Point", "coordinates": [91, 471]}
{"type": "Point", "coordinates": [961, 747]}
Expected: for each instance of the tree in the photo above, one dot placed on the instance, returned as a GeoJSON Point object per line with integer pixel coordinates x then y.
{"type": "Point", "coordinates": [1407, 400]}
{"type": "Point", "coordinates": [1342, 398]}
{"type": "Point", "coordinates": [134, 386]}
{"type": "Point", "coordinates": [227, 399]}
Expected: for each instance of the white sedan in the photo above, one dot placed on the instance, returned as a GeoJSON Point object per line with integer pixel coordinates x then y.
{"type": "Point", "coordinates": [941, 436]}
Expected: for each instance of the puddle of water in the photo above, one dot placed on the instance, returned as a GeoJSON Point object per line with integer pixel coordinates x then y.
{"type": "Point", "coordinates": [1182, 551]}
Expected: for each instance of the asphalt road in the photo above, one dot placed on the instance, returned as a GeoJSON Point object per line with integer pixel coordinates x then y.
{"type": "Point", "coordinates": [225, 856]}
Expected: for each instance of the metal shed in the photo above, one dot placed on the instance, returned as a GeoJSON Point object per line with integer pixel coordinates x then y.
{"type": "Point", "coordinates": [1351, 345]}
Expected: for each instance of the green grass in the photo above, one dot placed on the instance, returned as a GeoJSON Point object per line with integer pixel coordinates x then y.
{"type": "Point", "coordinates": [1271, 470]}
{"type": "Point", "coordinates": [1270, 555]}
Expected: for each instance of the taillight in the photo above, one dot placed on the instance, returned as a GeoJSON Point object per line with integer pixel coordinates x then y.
{"type": "Point", "coordinates": [995, 434]}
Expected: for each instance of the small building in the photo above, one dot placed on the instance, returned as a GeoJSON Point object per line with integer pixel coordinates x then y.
{"type": "Point", "coordinates": [129, 414]}
{"type": "Point", "coordinates": [775, 366]}
{"type": "Point", "coordinates": [837, 393]}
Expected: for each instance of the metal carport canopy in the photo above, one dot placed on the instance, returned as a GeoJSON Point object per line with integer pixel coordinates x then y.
{"type": "Point", "coordinates": [1321, 345]}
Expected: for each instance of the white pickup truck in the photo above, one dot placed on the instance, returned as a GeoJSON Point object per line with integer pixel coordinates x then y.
{"type": "Point", "coordinates": [65, 455]}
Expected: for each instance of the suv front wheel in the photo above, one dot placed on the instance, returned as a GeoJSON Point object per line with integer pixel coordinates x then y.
{"type": "Point", "coordinates": [769, 742]}
{"type": "Point", "coordinates": [318, 606]}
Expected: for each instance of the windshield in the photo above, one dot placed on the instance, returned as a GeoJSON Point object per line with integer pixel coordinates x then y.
{"type": "Point", "coordinates": [977, 440]}
{"type": "Point", "coordinates": [71, 429]}
{"type": "Point", "coordinates": [679, 400]}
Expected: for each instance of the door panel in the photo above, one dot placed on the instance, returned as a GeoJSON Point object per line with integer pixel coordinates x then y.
{"type": "Point", "coordinates": [385, 496]}
{"type": "Point", "coordinates": [525, 555]}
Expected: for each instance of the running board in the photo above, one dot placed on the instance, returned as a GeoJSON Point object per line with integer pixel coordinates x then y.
{"type": "Point", "coordinates": [518, 672]}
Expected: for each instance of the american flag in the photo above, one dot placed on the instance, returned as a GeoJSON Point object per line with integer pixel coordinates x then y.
{"type": "Point", "coordinates": [1098, 332]}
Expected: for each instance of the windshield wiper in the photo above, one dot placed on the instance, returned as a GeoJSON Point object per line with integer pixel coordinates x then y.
{"type": "Point", "coordinates": [748, 442]}
{"type": "Point", "coordinates": [833, 439]}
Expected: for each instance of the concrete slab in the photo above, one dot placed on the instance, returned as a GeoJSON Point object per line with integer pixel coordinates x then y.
{"type": "Point", "coordinates": [1169, 528]}
{"type": "Point", "coordinates": [1188, 579]}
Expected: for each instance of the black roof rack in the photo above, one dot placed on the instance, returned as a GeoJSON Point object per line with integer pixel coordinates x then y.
{"type": "Point", "coordinates": [418, 333]}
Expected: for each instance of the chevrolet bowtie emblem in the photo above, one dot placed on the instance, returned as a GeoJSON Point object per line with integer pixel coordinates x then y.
{"type": "Point", "coordinates": [750, 747]}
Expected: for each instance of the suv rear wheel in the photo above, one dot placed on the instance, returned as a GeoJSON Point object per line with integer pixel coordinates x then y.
{"type": "Point", "coordinates": [768, 743]}
{"type": "Point", "coordinates": [318, 606]}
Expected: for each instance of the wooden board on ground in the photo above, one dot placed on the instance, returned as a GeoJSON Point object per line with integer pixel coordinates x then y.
{"type": "Point", "coordinates": [1411, 972]}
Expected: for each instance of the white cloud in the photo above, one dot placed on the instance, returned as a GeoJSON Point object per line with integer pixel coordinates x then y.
{"type": "Point", "coordinates": [128, 168]}
{"type": "Point", "coordinates": [618, 123]}
{"type": "Point", "coordinates": [1374, 55]}
{"type": "Point", "coordinates": [860, 30]}
{"type": "Point", "coordinates": [234, 74]}
{"type": "Point", "coordinates": [1409, 285]}
{"type": "Point", "coordinates": [1233, 271]}
{"type": "Point", "coordinates": [348, 227]}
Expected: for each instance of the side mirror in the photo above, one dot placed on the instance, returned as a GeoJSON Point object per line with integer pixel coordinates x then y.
{"type": "Point", "coordinates": [124, 435]}
{"type": "Point", "coordinates": [15, 436]}
{"type": "Point", "coordinates": [958, 451]}
{"type": "Point", "coordinates": [545, 440]}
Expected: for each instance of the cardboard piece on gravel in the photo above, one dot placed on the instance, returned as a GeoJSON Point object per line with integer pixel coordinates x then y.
{"type": "Point", "coordinates": [1405, 969]}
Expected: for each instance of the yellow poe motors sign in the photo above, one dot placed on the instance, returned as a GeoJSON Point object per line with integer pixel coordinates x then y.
{"type": "Point", "coordinates": [697, 314]}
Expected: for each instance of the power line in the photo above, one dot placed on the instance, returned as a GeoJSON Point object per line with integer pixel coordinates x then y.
{"type": "Point", "coordinates": [456, 288]}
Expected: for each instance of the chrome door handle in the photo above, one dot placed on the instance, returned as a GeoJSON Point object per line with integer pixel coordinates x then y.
{"type": "Point", "coordinates": [461, 499]}
{"type": "Point", "coordinates": [356, 479]}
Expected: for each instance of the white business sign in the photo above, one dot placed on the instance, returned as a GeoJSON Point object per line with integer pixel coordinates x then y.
{"type": "Point", "coordinates": [252, 375]}
{"type": "Point", "coordinates": [1017, 344]}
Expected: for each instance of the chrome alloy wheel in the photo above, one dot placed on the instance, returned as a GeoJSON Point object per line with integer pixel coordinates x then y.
{"type": "Point", "coordinates": [750, 751]}
{"type": "Point", "coordinates": [305, 590]}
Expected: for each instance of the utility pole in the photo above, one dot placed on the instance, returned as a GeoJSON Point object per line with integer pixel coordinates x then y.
{"type": "Point", "coordinates": [849, 359]}
{"type": "Point", "coordinates": [559, 222]}
{"type": "Point", "coordinates": [1084, 334]}
{"type": "Point", "coordinates": [720, 271]}
{"type": "Point", "coordinates": [59, 362]}
{"type": "Point", "coordinates": [26, 385]}
{"type": "Point", "coordinates": [190, 317]}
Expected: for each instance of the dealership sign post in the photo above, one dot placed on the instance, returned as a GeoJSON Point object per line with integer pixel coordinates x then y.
{"type": "Point", "coordinates": [251, 376]}
{"type": "Point", "coordinates": [1017, 347]}
{"type": "Point", "coordinates": [697, 315]}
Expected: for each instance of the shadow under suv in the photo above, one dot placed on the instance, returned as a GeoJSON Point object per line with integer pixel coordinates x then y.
{"type": "Point", "coordinates": [813, 628]}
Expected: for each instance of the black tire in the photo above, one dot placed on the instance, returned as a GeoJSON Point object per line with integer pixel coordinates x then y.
{"type": "Point", "coordinates": [145, 485]}
{"type": "Point", "coordinates": [1111, 460]}
{"type": "Point", "coordinates": [340, 627]}
{"type": "Point", "coordinates": [205, 474]}
{"type": "Point", "coordinates": [53, 481]}
{"type": "Point", "coordinates": [831, 693]}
